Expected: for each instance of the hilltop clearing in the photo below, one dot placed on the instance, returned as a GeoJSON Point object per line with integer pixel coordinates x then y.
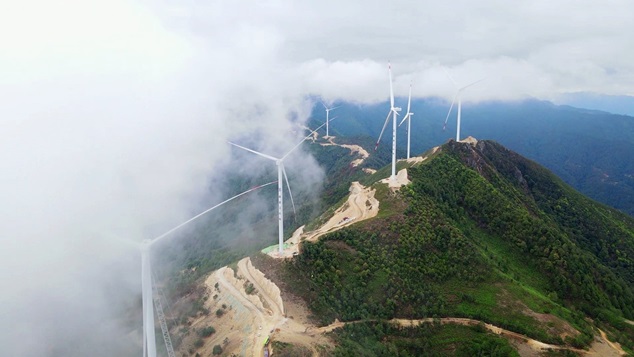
{"type": "Point", "coordinates": [252, 306]}
{"type": "Point", "coordinates": [360, 205]}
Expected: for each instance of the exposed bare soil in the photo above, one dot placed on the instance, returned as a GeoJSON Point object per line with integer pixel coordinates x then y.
{"type": "Point", "coordinates": [250, 318]}
{"type": "Point", "coordinates": [400, 180]}
{"type": "Point", "coordinates": [354, 149]}
{"type": "Point", "coordinates": [359, 206]}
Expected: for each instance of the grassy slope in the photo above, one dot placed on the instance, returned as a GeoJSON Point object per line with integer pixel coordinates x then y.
{"type": "Point", "coordinates": [470, 237]}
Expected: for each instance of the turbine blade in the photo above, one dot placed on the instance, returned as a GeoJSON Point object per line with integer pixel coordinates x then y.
{"type": "Point", "coordinates": [333, 108]}
{"type": "Point", "coordinates": [289, 189]}
{"type": "Point", "coordinates": [450, 108]}
{"type": "Point", "coordinates": [382, 130]}
{"type": "Point", "coordinates": [207, 210]}
{"type": "Point", "coordinates": [404, 118]}
{"type": "Point", "coordinates": [322, 103]}
{"type": "Point", "coordinates": [389, 67]}
{"type": "Point", "coordinates": [470, 84]}
{"type": "Point", "coordinates": [313, 132]}
{"type": "Point", "coordinates": [304, 139]}
{"type": "Point", "coordinates": [253, 151]}
{"type": "Point", "coordinates": [450, 78]}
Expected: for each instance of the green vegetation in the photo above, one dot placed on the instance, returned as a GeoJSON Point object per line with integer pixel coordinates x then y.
{"type": "Point", "coordinates": [480, 233]}
{"type": "Point", "coordinates": [384, 339]}
{"type": "Point", "coordinates": [217, 350]}
{"type": "Point", "coordinates": [207, 331]}
{"type": "Point", "coordinates": [249, 288]}
{"type": "Point", "coordinates": [288, 350]}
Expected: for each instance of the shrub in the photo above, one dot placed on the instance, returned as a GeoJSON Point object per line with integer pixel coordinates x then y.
{"type": "Point", "coordinates": [207, 331]}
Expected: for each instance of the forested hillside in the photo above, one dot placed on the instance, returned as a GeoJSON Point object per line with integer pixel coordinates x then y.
{"type": "Point", "coordinates": [482, 233]}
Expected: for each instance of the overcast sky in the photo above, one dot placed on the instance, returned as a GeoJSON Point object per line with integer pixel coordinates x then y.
{"type": "Point", "coordinates": [114, 114]}
{"type": "Point", "coordinates": [535, 48]}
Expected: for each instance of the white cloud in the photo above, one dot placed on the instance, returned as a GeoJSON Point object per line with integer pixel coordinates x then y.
{"type": "Point", "coordinates": [113, 115]}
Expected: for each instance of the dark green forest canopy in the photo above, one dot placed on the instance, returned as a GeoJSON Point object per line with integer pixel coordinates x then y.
{"type": "Point", "coordinates": [480, 232]}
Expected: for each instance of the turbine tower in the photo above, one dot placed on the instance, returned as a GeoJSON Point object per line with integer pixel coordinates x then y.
{"type": "Point", "coordinates": [279, 162]}
{"type": "Point", "coordinates": [458, 95]}
{"type": "Point", "coordinates": [394, 111]}
{"type": "Point", "coordinates": [328, 116]}
{"type": "Point", "coordinates": [149, 337]}
{"type": "Point", "coordinates": [408, 117]}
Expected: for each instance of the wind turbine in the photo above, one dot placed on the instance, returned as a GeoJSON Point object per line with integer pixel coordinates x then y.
{"type": "Point", "coordinates": [327, 116]}
{"type": "Point", "coordinates": [394, 111]}
{"type": "Point", "coordinates": [408, 117]}
{"type": "Point", "coordinates": [458, 96]}
{"type": "Point", "coordinates": [279, 162]}
{"type": "Point", "coordinates": [149, 337]}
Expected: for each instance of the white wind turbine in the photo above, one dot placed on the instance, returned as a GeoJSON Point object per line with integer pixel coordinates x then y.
{"type": "Point", "coordinates": [328, 116]}
{"type": "Point", "coordinates": [279, 162]}
{"type": "Point", "coordinates": [458, 96]}
{"type": "Point", "coordinates": [149, 337]}
{"type": "Point", "coordinates": [394, 111]}
{"type": "Point", "coordinates": [408, 117]}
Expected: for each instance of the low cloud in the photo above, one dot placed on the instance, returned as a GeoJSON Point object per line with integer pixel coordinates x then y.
{"type": "Point", "coordinates": [115, 117]}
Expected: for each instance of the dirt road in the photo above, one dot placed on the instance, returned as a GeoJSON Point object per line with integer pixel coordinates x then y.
{"type": "Point", "coordinates": [353, 149]}
{"type": "Point", "coordinates": [600, 347]}
{"type": "Point", "coordinates": [266, 289]}
{"type": "Point", "coordinates": [264, 304]}
{"type": "Point", "coordinates": [245, 314]}
{"type": "Point", "coordinates": [361, 205]}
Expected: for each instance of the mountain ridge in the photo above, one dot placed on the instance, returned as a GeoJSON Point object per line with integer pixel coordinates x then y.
{"type": "Point", "coordinates": [588, 149]}
{"type": "Point", "coordinates": [435, 235]}
{"type": "Point", "coordinates": [561, 287]}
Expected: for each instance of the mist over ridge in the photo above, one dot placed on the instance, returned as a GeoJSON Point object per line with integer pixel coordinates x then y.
{"type": "Point", "coordinates": [114, 119]}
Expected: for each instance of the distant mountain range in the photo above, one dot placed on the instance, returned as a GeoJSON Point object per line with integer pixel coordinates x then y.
{"type": "Point", "coordinates": [617, 104]}
{"type": "Point", "coordinates": [591, 150]}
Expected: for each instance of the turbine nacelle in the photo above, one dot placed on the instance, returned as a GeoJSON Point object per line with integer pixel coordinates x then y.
{"type": "Point", "coordinates": [145, 245]}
